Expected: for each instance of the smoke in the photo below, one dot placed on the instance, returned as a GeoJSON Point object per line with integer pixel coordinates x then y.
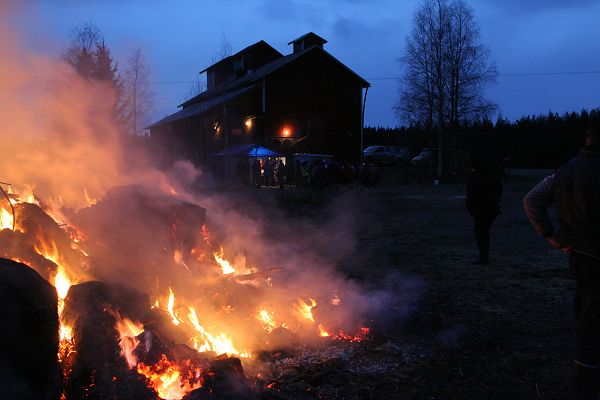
{"type": "Point", "coordinates": [152, 230]}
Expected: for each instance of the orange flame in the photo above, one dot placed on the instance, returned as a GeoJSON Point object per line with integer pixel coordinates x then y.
{"type": "Point", "coordinates": [323, 332]}
{"type": "Point", "coordinates": [128, 341]}
{"type": "Point", "coordinates": [168, 380]}
{"type": "Point", "coordinates": [225, 265]}
{"type": "Point", "coordinates": [220, 343]}
{"type": "Point", "coordinates": [170, 306]}
{"type": "Point", "coordinates": [267, 320]}
{"type": "Point", "coordinates": [305, 309]}
{"type": "Point", "coordinates": [6, 219]}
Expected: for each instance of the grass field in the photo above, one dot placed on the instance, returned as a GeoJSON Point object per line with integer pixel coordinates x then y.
{"type": "Point", "coordinates": [455, 330]}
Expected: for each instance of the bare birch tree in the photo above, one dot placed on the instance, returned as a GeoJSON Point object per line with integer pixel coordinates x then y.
{"type": "Point", "coordinates": [138, 95]}
{"type": "Point", "coordinates": [446, 70]}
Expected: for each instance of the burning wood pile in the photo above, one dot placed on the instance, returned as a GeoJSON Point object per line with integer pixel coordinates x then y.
{"type": "Point", "coordinates": [147, 303]}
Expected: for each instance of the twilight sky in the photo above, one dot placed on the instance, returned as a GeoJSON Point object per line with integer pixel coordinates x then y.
{"type": "Point", "coordinates": [547, 51]}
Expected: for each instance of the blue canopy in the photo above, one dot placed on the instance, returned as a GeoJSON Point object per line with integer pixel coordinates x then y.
{"type": "Point", "coordinates": [246, 150]}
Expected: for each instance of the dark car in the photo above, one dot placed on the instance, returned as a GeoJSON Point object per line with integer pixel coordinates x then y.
{"type": "Point", "coordinates": [388, 155]}
{"type": "Point", "coordinates": [429, 158]}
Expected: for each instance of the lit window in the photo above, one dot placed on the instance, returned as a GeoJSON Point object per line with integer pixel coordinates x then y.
{"type": "Point", "coordinates": [216, 127]}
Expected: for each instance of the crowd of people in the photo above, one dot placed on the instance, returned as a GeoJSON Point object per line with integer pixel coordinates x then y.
{"type": "Point", "coordinates": [317, 174]}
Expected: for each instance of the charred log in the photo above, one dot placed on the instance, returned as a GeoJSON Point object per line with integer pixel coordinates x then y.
{"type": "Point", "coordinates": [98, 370]}
{"type": "Point", "coordinates": [29, 334]}
{"type": "Point", "coordinates": [223, 379]}
{"type": "Point", "coordinates": [37, 233]}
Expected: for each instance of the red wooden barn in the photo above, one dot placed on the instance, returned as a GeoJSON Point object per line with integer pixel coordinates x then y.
{"type": "Point", "coordinates": [303, 102]}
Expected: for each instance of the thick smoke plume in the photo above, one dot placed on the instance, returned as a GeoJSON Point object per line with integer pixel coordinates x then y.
{"type": "Point", "coordinates": [152, 230]}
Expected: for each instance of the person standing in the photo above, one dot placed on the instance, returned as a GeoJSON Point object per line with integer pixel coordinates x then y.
{"type": "Point", "coordinates": [280, 174]}
{"type": "Point", "coordinates": [268, 172]}
{"type": "Point", "coordinates": [256, 173]}
{"type": "Point", "coordinates": [574, 188]}
{"type": "Point", "coordinates": [484, 191]}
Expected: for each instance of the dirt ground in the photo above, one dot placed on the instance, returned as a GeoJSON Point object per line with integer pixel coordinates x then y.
{"type": "Point", "coordinates": [456, 330]}
{"type": "Point", "coordinates": [502, 331]}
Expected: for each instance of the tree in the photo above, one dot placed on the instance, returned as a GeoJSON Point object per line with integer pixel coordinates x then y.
{"type": "Point", "coordinates": [224, 51]}
{"type": "Point", "coordinates": [446, 69]}
{"type": "Point", "coordinates": [138, 102]}
{"type": "Point", "coordinates": [80, 54]}
{"type": "Point", "coordinates": [89, 55]}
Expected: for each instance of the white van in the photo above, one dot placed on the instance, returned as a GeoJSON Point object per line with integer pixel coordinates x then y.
{"type": "Point", "coordinates": [391, 155]}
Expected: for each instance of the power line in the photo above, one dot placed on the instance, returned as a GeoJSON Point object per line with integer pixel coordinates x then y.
{"type": "Point", "coordinates": [389, 78]}
{"type": "Point", "coordinates": [515, 74]}
{"type": "Point", "coordinates": [553, 73]}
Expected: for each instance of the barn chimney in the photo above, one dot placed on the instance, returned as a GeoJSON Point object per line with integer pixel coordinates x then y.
{"type": "Point", "coordinates": [306, 41]}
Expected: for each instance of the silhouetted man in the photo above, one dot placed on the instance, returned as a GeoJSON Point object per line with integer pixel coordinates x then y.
{"type": "Point", "coordinates": [575, 190]}
{"type": "Point", "coordinates": [256, 173]}
{"type": "Point", "coordinates": [484, 190]}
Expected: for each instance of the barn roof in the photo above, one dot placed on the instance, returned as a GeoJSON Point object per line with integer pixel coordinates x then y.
{"type": "Point", "coordinates": [263, 72]}
{"type": "Point", "coordinates": [199, 108]}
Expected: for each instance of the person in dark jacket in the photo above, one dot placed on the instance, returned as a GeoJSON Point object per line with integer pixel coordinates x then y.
{"type": "Point", "coordinates": [574, 188]}
{"type": "Point", "coordinates": [280, 174]}
{"type": "Point", "coordinates": [484, 190]}
{"type": "Point", "coordinates": [256, 173]}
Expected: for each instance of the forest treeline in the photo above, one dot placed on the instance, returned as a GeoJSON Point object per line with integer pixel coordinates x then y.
{"type": "Point", "coordinates": [542, 141]}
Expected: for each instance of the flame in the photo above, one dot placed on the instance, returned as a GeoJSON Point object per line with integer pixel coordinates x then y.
{"type": "Point", "coordinates": [167, 187]}
{"type": "Point", "coordinates": [6, 219]}
{"type": "Point", "coordinates": [170, 305]}
{"type": "Point", "coordinates": [65, 333]}
{"type": "Point", "coordinates": [62, 283]}
{"type": "Point", "coordinates": [305, 309]}
{"type": "Point", "coordinates": [322, 331]}
{"type": "Point", "coordinates": [90, 201]}
{"type": "Point", "coordinates": [168, 379]}
{"type": "Point", "coordinates": [128, 341]}
{"type": "Point", "coordinates": [178, 258]}
{"type": "Point", "coordinates": [267, 319]}
{"type": "Point", "coordinates": [225, 265]}
{"type": "Point", "coordinates": [220, 343]}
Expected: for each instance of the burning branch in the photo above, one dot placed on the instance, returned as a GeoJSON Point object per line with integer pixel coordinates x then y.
{"type": "Point", "coordinates": [9, 202]}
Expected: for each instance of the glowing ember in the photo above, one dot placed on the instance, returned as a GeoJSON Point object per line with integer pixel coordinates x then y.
{"type": "Point", "coordinates": [357, 337]}
{"type": "Point", "coordinates": [336, 300]}
{"type": "Point", "coordinates": [66, 345]}
{"type": "Point", "coordinates": [168, 379]}
{"type": "Point", "coordinates": [305, 309]}
{"type": "Point", "coordinates": [170, 305]}
{"type": "Point", "coordinates": [128, 341]}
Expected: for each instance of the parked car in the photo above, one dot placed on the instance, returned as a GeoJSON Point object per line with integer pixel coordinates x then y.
{"type": "Point", "coordinates": [390, 155]}
{"type": "Point", "coordinates": [429, 157]}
